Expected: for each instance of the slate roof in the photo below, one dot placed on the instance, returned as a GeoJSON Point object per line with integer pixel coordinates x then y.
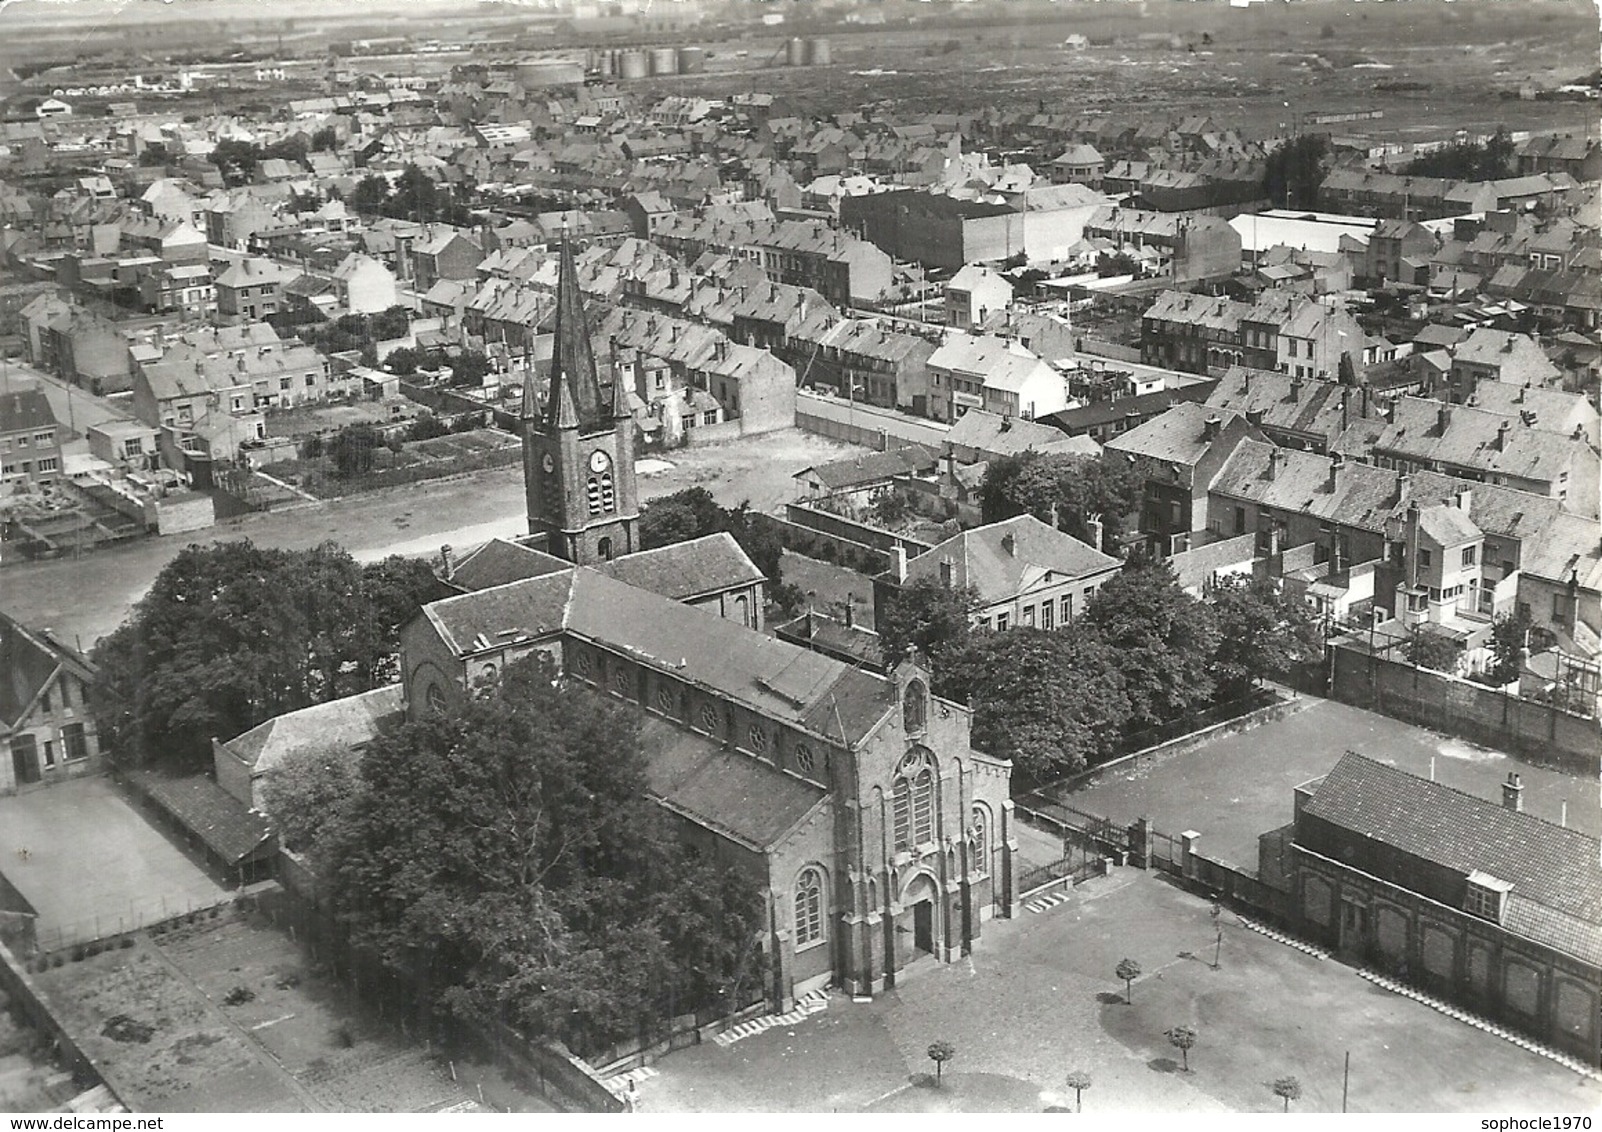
{"type": "Point", "coordinates": [1556, 897]}
{"type": "Point", "coordinates": [779, 680]}
{"type": "Point", "coordinates": [222, 822]}
{"type": "Point", "coordinates": [1364, 496]}
{"type": "Point", "coordinates": [1099, 413]}
{"type": "Point", "coordinates": [23, 410]}
{"type": "Point", "coordinates": [688, 569]}
{"type": "Point", "coordinates": [1469, 441]}
{"type": "Point", "coordinates": [1448, 526]}
{"type": "Point", "coordinates": [1309, 407]}
{"type": "Point", "coordinates": [499, 562]}
{"type": "Point", "coordinates": [979, 558]}
{"type": "Point", "coordinates": [348, 722]}
{"type": "Point", "coordinates": [996, 435]}
{"type": "Point", "coordinates": [741, 797]}
{"type": "Point", "coordinates": [1179, 436]}
{"type": "Point", "coordinates": [839, 475]}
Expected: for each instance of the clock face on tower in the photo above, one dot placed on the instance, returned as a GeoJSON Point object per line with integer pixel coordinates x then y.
{"type": "Point", "coordinates": [548, 462]}
{"type": "Point", "coordinates": [599, 461]}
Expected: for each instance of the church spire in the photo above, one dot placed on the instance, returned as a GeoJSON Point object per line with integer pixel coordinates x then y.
{"type": "Point", "coordinates": [572, 358]}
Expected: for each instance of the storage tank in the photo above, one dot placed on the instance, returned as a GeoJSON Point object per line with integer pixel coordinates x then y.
{"type": "Point", "coordinates": [633, 65]}
{"type": "Point", "coordinates": [532, 74]}
{"type": "Point", "coordinates": [692, 60]}
{"type": "Point", "coordinates": [665, 61]}
{"type": "Point", "coordinates": [820, 54]}
{"type": "Point", "coordinates": [798, 53]}
{"type": "Point", "coordinates": [606, 63]}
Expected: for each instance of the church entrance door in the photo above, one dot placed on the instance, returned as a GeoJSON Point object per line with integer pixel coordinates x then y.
{"type": "Point", "coordinates": [923, 926]}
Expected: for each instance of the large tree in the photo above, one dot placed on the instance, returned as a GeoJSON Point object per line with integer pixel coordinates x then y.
{"type": "Point", "coordinates": [233, 634]}
{"type": "Point", "coordinates": [1295, 171]}
{"type": "Point", "coordinates": [926, 617]}
{"type": "Point", "coordinates": [693, 513]}
{"type": "Point", "coordinates": [1509, 638]}
{"type": "Point", "coordinates": [1261, 632]}
{"type": "Point", "coordinates": [508, 858]}
{"type": "Point", "coordinates": [1078, 490]}
{"type": "Point", "coordinates": [1162, 639]}
{"type": "Point", "coordinates": [1049, 701]}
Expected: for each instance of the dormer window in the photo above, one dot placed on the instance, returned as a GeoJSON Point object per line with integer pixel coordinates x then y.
{"type": "Point", "coordinates": [1486, 896]}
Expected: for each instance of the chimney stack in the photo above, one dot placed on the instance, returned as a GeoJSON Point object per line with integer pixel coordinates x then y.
{"type": "Point", "coordinates": [851, 611]}
{"type": "Point", "coordinates": [1211, 427]}
{"type": "Point", "coordinates": [1463, 499]}
{"type": "Point", "coordinates": [1273, 462]}
{"type": "Point", "coordinates": [1296, 389]}
{"type": "Point", "coordinates": [1336, 463]}
{"type": "Point", "coordinates": [1443, 418]}
{"type": "Point", "coordinates": [447, 566]}
{"type": "Point", "coordinates": [1513, 793]}
{"type": "Point", "coordinates": [1094, 525]}
{"type": "Point", "coordinates": [1501, 435]}
{"type": "Point", "coordinates": [1009, 544]}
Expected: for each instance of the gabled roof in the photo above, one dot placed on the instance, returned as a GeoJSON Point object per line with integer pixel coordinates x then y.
{"type": "Point", "coordinates": [1002, 560]}
{"type": "Point", "coordinates": [875, 467]}
{"type": "Point", "coordinates": [996, 435]}
{"type": "Point", "coordinates": [1447, 526]}
{"type": "Point", "coordinates": [1179, 436]}
{"type": "Point", "coordinates": [1554, 872]}
{"type": "Point", "coordinates": [223, 823]}
{"type": "Point", "coordinates": [499, 562]}
{"type": "Point", "coordinates": [686, 570]}
{"type": "Point", "coordinates": [348, 723]}
{"type": "Point", "coordinates": [25, 409]}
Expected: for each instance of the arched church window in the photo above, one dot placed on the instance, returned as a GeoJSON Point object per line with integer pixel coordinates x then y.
{"type": "Point", "coordinates": [435, 698]}
{"type": "Point", "coordinates": [979, 842]}
{"type": "Point", "coordinates": [913, 800]}
{"type": "Point", "coordinates": [915, 707]}
{"type": "Point", "coordinates": [809, 907]}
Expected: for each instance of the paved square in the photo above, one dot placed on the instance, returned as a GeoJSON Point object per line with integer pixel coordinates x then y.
{"type": "Point", "coordinates": [1240, 786]}
{"type": "Point", "coordinates": [1039, 998]}
{"type": "Point", "coordinates": [93, 862]}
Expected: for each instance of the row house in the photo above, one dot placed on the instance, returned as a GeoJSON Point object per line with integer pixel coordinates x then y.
{"type": "Point", "coordinates": [1428, 435]}
{"type": "Point", "coordinates": [1190, 247]}
{"type": "Point", "coordinates": [30, 439]}
{"type": "Point", "coordinates": [1294, 411]}
{"type": "Point", "coordinates": [1497, 356]}
{"type": "Point", "coordinates": [186, 290]}
{"type": "Point", "coordinates": [1579, 157]}
{"type": "Point", "coordinates": [252, 288]}
{"type": "Point", "coordinates": [46, 725]}
{"type": "Point", "coordinates": [864, 360]}
{"type": "Point", "coordinates": [1363, 192]}
{"type": "Point", "coordinates": [994, 374]}
{"type": "Point", "coordinates": [172, 241]}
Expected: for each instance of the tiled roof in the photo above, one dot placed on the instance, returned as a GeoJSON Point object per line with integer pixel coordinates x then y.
{"type": "Point", "coordinates": [1098, 413]}
{"type": "Point", "coordinates": [685, 570]}
{"type": "Point", "coordinates": [754, 803]}
{"type": "Point", "coordinates": [1448, 526]}
{"type": "Point", "coordinates": [1364, 496]}
{"type": "Point", "coordinates": [499, 562]}
{"type": "Point", "coordinates": [222, 822]}
{"type": "Point", "coordinates": [996, 435]}
{"type": "Point", "coordinates": [873, 467]}
{"type": "Point", "coordinates": [1179, 436]}
{"type": "Point", "coordinates": [1556, 877]}
{"type": "Point", "coordinates": [25, 409]}
{"type": "Point", "coordinates": [1469, 440]}
{"type": "Point", "coordinates": [1292, 404]}
{"type": "Point", "coordinates": [980, 558]}
{"type": "Point", "coordinates": [347, 722]}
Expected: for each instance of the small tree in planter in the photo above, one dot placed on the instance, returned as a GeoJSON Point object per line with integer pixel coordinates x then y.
{"type": "Point", "coordinates": [1183, 1038]}
{"type": "Point", "coordinates": [1288, 1089]}
{"type": "Point", "coordinates": [1079, 1081]}
{"type": "Point", "coordinates": [1128, 970]}
{"type": "Point", "coordinates": [940, 1053]}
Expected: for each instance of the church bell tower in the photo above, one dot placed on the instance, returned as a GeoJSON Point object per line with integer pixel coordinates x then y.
{"type": "Point", "coordinates": [578, 450]}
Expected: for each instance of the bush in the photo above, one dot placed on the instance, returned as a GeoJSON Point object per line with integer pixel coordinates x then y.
{"type": "Point", "coordinates": [238, 995]}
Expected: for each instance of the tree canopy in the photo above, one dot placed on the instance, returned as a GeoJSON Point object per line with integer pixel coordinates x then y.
{"type": "Point", "coordinates": [693, 513]}
{"type": "Point", "coordinates": [925, 616]}
{"type": "Point", "coordinates": [231, 635]}
{"type": "Point", "coordinates": [1491, 160]}
{"type": "Point", "coordinates": [1162, 639]}
{"type": "Point", "coordinates": [1080, 488]}
{"type": "Point", "coordinates": [1261, 632]}
{"type": "Point", "coordinates": [508, 857]}
{"type": "Point", "coordinates": [1295, 171]}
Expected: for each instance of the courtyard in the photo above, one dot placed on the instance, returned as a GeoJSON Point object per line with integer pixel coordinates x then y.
{"type": "Point", "coordinates": [1038, 997]}
{"type": "Point", "coordinates": [1239, 786]}
{"type": "Point", "coordinates": [113, 870]}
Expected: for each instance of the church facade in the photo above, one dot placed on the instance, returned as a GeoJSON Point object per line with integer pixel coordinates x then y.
{"type": "Point", "coordinates": [853, 800]}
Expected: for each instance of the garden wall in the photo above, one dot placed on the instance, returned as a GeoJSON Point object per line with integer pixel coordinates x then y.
{"type": "Point", "coordinates": [1540, 733]}
{"type": "Point", "coordinates": [25, 997]}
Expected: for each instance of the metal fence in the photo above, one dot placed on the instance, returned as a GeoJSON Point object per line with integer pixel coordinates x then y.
{"type": "Point", "coordinates": [104, 929]}
{"type": "Point", "coordinates": [1075, 868]}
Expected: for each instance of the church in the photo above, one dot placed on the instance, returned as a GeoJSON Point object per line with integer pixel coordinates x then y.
{"type": "Point", "coordinates": [854, 800]}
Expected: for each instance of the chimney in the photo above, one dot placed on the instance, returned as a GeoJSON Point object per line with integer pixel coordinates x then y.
{"type": "Point", "coordinates": [1579, 433]}
{"type": "Point", "coordinates": [1094, 524]}
{"type": "Point", "coordinates": [1246, 381]}
{"type": "Point", "coordinates": [851, 611]}
{"type": "Point", "coordinates": [1463, 499]}
{"type": "Point", "coordinates": [1443, 418]}
{"type": "Point", "coordinates": [1346, 408]}
{"type": "Point", "coordinates": [1501, 435]}
{"type": "Point", "coordinates": [1009, 544]}
{"type": "Point", "coordinates": [1336, 463]}
{"type": "Point", "coordinates": [1513, 794]}
{"type": "Point", "coordinates": [1296, 389]}
{"type": "Point", "coordinates": [447, 566]}
{"type": "Point", "coordinates": [1211, 427]}
{"type": "Point", "coordinates": [1273, 462]}
{"type": "Point", "coordinates": [899, 562]}
{"type": "Point", "coordinates": [1522, 390]}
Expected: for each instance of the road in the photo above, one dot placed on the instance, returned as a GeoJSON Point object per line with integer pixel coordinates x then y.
{"type": "Point", "coordinates": [83, 599]}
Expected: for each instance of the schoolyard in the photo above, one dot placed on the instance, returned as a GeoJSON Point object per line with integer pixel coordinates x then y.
{"type": "Point", "coordinates": [91, 865]}
{"type": "Point", "coordinates": [1239, 786]}
{"type": "Point", "coordinates": [1038, 997]}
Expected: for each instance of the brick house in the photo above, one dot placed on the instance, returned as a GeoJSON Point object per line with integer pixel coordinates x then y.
{"type": "Point", "coordinates": [45, 723]}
